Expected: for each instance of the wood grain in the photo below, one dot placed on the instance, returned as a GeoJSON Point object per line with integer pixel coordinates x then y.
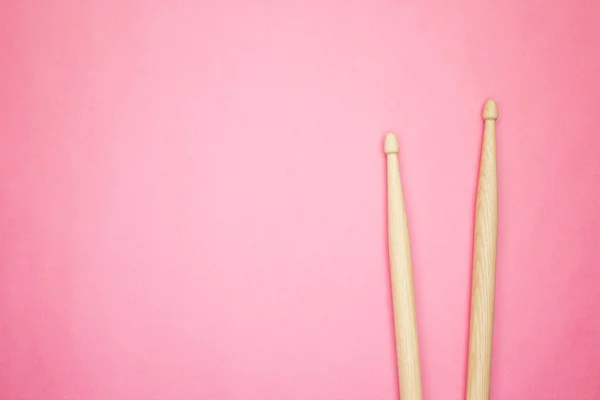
{"type": "Point", "coordinates": [407, 349]}
{"type": "Point", "coordinates": [484, 264]}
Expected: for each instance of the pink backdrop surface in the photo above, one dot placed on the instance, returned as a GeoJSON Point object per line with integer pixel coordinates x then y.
{"type": "Point", "coordinates": [192, 196]}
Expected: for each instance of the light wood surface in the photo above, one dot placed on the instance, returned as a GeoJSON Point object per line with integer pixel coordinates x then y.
{"type": "Point", "coordinates": [484, 264]}
{"type": "Point", "coordinates": [407, 348]}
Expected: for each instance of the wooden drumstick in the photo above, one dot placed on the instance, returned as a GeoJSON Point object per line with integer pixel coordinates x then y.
{"type": "Point", "coordinates": [484, 264]}
{"type": "Point", "coordinates": [407, 348]}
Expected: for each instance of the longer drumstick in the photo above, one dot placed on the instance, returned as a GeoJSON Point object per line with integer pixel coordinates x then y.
{"type": "Point", "coordinates": [407, 348]}
{"type": "Point", "coordinates": [484, 264]}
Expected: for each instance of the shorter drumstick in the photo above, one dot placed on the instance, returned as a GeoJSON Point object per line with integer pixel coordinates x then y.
{"type": "Point", "coordinates": [407, 348]}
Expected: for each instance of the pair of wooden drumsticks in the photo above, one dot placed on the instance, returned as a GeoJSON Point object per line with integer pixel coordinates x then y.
{"type": "Point", "coordinates": [483, 280]}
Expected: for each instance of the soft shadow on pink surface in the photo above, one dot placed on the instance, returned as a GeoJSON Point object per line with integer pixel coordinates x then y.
{"type": "Point", "coordinates": [192, 198]}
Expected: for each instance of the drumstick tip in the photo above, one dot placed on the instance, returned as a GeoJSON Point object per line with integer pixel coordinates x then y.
{"type": "Point", "coordinates": [490, 110]}
{"type": "Point", "coordinates": [390, 145]}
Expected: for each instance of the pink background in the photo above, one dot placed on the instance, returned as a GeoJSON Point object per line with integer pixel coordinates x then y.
{"type": "Point", "coordinates": [192, 195]}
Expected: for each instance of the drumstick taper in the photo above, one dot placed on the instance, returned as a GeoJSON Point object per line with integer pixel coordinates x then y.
{"type": "Point", "coordinates": [407, 348]}
{"type": "Point", "coordinates": [484, 264]}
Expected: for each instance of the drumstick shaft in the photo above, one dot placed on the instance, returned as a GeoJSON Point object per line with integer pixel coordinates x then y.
{"type": "Point", "coordinates": [407, 349]}
{"type": "Point", "coordinates": [484, 264]}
